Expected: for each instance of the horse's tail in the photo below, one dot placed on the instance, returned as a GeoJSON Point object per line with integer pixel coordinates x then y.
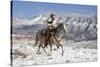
{"type": "Point", "coordinates": [36, 41]}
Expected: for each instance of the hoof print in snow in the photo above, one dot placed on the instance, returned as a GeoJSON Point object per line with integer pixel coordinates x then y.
{"type": "Point", "coordinates": [87, 58]}
{"type": "Point", "coordinates": [67, 61]}
{"type": "Point", "coordinates": [84, 51]}
{"type": "Point", "coordinates": [84, 47]}
{"type": "Point", "coordinates": [73, 48]}
{"type": "Point", "coordinates": [93, 53]}
{"type": "Point", "coordinates": [78, 47]}
{"type": "Point", "coordinates": [77, 57]}
{"type": "Point", "coordinates": [48, 54]}
{"type": "Point", "coordinates": [50, 58]}
{"type": "Point", "coordinates": [95, 59]}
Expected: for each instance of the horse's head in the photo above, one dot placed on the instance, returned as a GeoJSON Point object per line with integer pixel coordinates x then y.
{"type": "Point", "coordinates": [64, 28]}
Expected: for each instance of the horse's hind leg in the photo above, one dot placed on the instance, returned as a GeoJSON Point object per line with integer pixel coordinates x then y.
{"type": "Point", "coordinates": [39, 47]}
{"type": "Point", "coordinates": [62, 49]}
{"type": "Point", "coordinates": [35, 43]}
{"type": "Point", "coordinates": [42, 43]}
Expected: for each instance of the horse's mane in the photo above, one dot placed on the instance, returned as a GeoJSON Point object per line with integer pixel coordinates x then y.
{"type": "Point", "coordinates": [58, 26]}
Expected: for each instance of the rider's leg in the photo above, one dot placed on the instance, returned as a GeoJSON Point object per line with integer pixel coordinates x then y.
{"type": "Point", "coordinates": [54, 37]}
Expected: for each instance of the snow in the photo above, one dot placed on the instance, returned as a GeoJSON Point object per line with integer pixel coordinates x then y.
{"type": "Point", "coordinates": [24, 53]}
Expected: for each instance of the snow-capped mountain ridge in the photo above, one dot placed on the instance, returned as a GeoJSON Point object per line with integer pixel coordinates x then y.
{"type": "Point", "coordinates": [79, 26]}
{"type": "Point", "coordinates": [44, 17]}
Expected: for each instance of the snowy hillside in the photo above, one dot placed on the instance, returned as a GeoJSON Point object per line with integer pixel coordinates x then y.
{"type": "Point", "coordinates": [25, 54]}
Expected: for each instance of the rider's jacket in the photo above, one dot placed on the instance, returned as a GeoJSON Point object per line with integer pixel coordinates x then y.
{"type": "Point", "coordinates": [51, 24]}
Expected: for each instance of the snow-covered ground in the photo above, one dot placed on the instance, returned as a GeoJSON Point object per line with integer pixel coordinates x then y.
{"type": "Point", "coordinates": [25, 54]}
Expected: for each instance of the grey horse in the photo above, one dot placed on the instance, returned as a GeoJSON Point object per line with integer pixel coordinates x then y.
{"type": "Point", "coordinates": [40, 37]}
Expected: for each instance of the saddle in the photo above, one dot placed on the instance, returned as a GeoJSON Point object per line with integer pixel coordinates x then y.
{"type": "Point", "coordinates": [47, 33]}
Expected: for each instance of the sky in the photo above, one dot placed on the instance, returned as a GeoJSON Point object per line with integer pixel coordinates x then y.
{"type": "Point", "coordinates": [25, 9]}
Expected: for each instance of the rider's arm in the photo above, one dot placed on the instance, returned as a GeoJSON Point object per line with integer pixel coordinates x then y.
{"type": "Point", "coordinates": [49, 22]}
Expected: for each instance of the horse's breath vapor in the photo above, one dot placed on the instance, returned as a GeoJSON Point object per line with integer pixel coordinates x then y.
{"type": "Point", "coordinates": [36, 40]}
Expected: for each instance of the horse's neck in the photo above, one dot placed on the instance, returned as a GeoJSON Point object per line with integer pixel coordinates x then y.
{"type": "Point", "coordinates": [58, 32]}
{"type": "Point", "coordinates": [58, 29]}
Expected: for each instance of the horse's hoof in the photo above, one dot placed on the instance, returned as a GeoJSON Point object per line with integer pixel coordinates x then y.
{"type": "Point", "coordinates": [57, 47]}
{"type": "Point", "coordinates": [38, 52]}
{"type": "Point", "coordinates": [54, 49]}
{"type": "Point", "coordinates": [62, 54]}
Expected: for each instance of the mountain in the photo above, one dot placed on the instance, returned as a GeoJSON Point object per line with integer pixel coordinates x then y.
{"type": "Point", "coordinates": [80, 26]}
{"type": "Point", "coordinates": [33, 21]}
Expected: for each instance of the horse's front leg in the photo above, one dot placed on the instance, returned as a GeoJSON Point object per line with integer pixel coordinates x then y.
{"type": "Point", "coordinates": [38, 51]}
{"type": "Point", "coordinates": [58, 43]}
{"type": "Point", "coordinates": [62, 49]}
{"type": "Point", "coordinates": [50, 46]}
{"type": "Point", "coordinates": [39, 48]}
{"type": "Point", "coordinates": [44, 49]}
{"type": "Point", "coordinates": [41, 45]}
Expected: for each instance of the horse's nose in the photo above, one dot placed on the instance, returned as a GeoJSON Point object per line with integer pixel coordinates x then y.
{"type": "Point", "coordinates": [66, 31]}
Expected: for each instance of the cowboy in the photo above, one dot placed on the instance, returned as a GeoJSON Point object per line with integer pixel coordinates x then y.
{"type": "Point", "coordinates": [51, 26]}
{"type": "Point", "coordinates": [51, 22]}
